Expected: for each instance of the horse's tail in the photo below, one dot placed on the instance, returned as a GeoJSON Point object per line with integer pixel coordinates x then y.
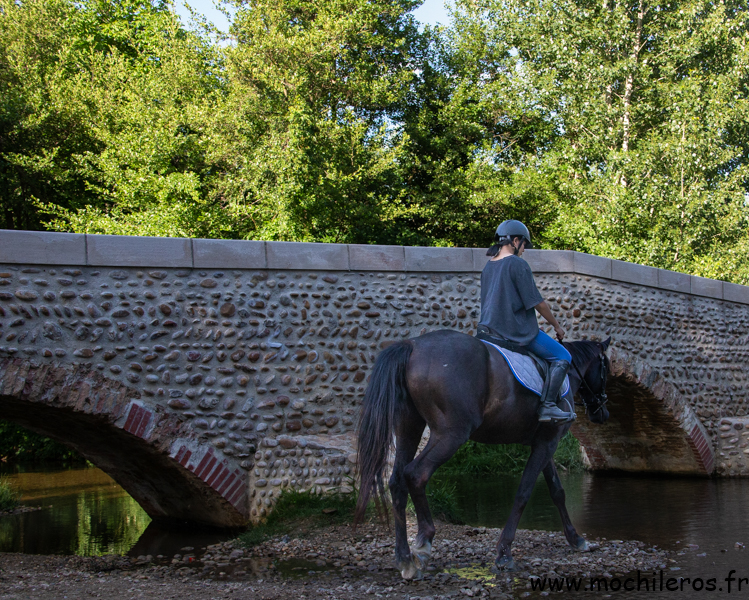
{"type": "Point", "coordinates": [385, 397]}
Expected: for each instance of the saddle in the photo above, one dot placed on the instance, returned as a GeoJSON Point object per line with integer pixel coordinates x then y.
{"type": "Point", "coordinates": [530, 370]}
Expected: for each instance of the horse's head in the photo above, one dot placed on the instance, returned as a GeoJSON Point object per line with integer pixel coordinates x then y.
{"type": "Point", "coordinates": [593, 377]}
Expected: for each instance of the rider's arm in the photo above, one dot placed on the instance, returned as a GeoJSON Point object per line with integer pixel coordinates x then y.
{"type": "Point", "coordinates": [544, 310]}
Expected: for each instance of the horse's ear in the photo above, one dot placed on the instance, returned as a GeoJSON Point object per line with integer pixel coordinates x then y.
{"type": "Point", "coordinates": [605, 344]}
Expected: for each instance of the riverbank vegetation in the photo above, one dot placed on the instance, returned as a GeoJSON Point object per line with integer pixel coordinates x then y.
{"type": "Point", "coordinates": [301, 512]}
{"type": "Point", "coordinates": [9, 498]}
{"type": "Point", "coordinates": [482, 459]}
{"type": "Point", "coordinates": [610, 128]}
{"type": "Point", "coordinates": [19, 445]}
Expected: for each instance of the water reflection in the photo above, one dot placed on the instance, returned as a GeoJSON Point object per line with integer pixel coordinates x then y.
{"type": "Point", "coordinates": [487, 501]}
{"type": "Point", "coordinates": [83, 512]}
{"type": "Point", "coordinates": [701, 519]}
{"type": "Point", "coordinates": [662, 510]}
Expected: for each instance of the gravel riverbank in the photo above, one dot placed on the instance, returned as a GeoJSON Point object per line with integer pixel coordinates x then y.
{"type": "Point", "coordinates": [330, 563]}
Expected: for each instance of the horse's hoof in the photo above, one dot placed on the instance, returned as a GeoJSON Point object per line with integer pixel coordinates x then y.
{"type": "Point", "coordinates": [505, 563]}
{"type": "Point", "coordinates": [421, 556]}
{"type": "Point", "coordinates": [582, 545]}
{"type": "Point", "coordinates": [409, 571]}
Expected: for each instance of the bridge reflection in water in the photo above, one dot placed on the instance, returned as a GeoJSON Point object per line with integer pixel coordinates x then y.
{"type": "Point", "coordinates": [84, 512]}
{"type": "Point", "coordinates": [655, 509]}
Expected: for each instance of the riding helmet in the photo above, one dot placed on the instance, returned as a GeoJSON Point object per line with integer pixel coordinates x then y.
{"type": "Point", "coordinates": [510, 229]}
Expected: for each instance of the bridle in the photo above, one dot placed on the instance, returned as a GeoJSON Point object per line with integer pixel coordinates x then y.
{"type": "Point", "coordinates": [597, 400]}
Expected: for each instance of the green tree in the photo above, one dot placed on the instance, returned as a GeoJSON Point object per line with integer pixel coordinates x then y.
{"type": "Point", "coordinates": [38, 136]}
{"type": "Point", "coordinates": [639, 113]}
{"type": "Point", "coordinates": [464, 169]}
{"type": "Point", "coordinates": [316, 93]}
{"type": "Point", "coordinates": [613, 128]}
{"type": "Point", "coordinates": [106, 121]}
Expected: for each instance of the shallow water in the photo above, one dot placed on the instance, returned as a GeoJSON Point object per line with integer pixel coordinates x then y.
{"type": "Point", "coordinates": [85, 512]}
{"type": "Point", "coordinates": [701, 518]}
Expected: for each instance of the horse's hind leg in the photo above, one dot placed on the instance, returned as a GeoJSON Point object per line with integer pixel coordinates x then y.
{"type": "Point", "coordinates": [438, 451]}
{"type": "Point", "coordinates": [558, 496]}
{"type": "Point", "coordinates": [408, 436]}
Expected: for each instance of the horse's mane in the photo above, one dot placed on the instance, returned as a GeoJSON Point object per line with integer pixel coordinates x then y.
{"type": "Point", "coordinates": [582, 351]}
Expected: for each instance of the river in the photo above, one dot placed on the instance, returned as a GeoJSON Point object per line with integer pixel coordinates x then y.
{"type": "Point", "coordinates": [85, 512]}
{"type": "Point", "coordinates": [705, 520]}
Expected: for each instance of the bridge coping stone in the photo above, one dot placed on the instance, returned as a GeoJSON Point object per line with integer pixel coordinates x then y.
{"type": "Point", "coordinates": [307, 256]}
{"type": "Point", "coordinates": [43, 247]}
{"type": "Point", "coordinates": [228, 254]}
{"type": "Point", "coordinates": [588, 264]}
{"type": "Point", "coordinates": [735, 293]}
{"type": "Point", "coordinates": [53, 248]}
{"type": "Point", "coordinates": [677, 282]}
{"type": "Point", "coordinates": [136, 251]}
{"type": "Point", "coordinates": [702, 286]}
{"type": "Point", "coordinates": [423, 258]}
{"type": "Point", "coordinates": [634, 273]}
{"type": "Point", "coordinates": [376, 258]}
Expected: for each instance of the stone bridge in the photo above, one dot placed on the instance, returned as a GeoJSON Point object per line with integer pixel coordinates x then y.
{"type": "Point", "coordinates": [206, 376]}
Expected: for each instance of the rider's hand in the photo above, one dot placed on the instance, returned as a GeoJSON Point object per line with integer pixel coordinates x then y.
{"type": "Point", "coordinates": [560, 332]}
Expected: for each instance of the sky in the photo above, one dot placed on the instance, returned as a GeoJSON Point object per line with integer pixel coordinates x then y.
{"type": "Point", "coordinates": [431, 12]}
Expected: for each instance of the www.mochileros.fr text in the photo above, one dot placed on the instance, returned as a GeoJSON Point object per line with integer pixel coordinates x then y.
{"type": "Point", "coordinates": [639, 582]}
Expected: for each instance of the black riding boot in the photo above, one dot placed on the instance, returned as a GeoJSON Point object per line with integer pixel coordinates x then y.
{"type": "Point", "coordinates": [549, 411]}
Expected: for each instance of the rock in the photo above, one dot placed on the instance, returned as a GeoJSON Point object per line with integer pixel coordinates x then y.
{"type": "Point", "coordinates": [179, 403]}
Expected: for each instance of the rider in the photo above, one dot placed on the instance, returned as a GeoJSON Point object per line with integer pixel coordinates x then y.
{"type": "Point", "coordinates": [508, 298]}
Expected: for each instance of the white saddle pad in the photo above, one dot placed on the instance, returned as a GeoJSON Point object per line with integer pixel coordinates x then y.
{"type": "Point", "coordinates": [524, 369]}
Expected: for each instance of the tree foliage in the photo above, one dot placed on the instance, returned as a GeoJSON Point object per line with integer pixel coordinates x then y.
{"type": "Point", "coordinates": [107, 122]}
{"type": "Point", "coordinates": [640, 113]}
{"type": "Point", "coordinates": [18, 444]}
{"type": "Point", "coordinates": [610, 127]}
{"type": "Point", "coordinates": [315, 97]}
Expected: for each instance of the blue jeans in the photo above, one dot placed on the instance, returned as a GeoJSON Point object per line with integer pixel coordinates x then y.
{"type": "Point", "coordinates": [548, 348]}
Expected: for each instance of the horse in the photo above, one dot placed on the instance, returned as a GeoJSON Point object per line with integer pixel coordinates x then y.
{"type": "Point", "coordinates": [462, 389]}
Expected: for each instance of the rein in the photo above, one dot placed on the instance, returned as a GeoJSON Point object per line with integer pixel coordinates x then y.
{"type": "Point", "coordinates": [601, 397]}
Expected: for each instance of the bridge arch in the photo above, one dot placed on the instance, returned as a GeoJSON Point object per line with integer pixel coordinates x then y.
{"type": "Point", "coordinates": [147, 452]}
{"type": "Point", "coordinates": [652, 428]}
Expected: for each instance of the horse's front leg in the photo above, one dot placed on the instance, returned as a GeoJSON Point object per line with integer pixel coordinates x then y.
{"type": "Point", "coordinates": [558, 496]}
{"type": "Point", "coordinates": [540, 456]}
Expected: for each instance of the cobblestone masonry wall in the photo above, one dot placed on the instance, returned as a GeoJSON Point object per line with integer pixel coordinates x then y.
{"type": "Point", "coordinates": [258, 353]}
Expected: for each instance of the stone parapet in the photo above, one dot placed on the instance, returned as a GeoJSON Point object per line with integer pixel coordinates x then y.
{"type": "Point", "coordinates": [49, 248]}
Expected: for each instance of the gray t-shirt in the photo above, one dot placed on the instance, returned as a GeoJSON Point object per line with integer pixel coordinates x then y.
{"type": "Point", "coordinates": [508, 297]}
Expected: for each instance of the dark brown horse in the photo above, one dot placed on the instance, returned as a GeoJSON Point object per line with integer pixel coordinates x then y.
{"type": "Point", "coordinates": [463, 389]}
